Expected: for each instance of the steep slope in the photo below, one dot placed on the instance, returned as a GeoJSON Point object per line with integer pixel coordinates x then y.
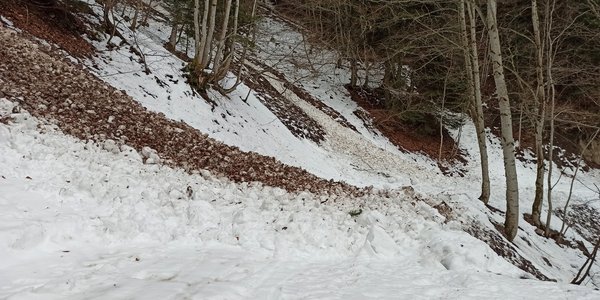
{"type": "Point", "coordinates": [422, 234]}
{"type": "Point", "coordinates": [85, 107]}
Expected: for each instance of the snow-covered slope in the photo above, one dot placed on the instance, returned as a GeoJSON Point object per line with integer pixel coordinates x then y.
{"type": "Point", "coordinates": [360, 157]}
{"type": "Point", "coordinates": [82, 222]}
{"type": "Point", "coordinates": [241, 119]}
{"type": "Point", "coordinates": [77, 221]}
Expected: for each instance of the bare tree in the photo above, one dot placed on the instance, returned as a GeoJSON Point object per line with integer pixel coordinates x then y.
{"type": "Point", "coordinates": [511, 222]}
{"type": "Point", "coordinates": [563, 228]}
{"type": "Point", "coordinates": [469, 42]}
{"type": "Point", "coordinates": [584, 271]}
{"type": "Point", "coordinates": [221, 38]}
{"type": "Point", "coordinates": [206, 67]}
{"type": "Point", "coordinates": [540, 98]}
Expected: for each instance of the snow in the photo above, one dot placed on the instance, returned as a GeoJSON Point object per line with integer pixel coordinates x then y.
{"type": "Point", "coordinates": [79, 221]}
{"type": "Point", "coordinates": [248, 124]}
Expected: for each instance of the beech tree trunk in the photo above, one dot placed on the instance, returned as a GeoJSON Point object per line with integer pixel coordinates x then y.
{"type": "Point", "coordinates": [200, 35]}
{"type": "Point", "coordinates": [511, 222]}
{"type": "Point", "coordinates": [197, 29]}
{"type": "Point", "coordinates": [209, 34]}
{"type": "Point", "coordinates": [551, 92]}
{"type": "Point", "coordinates": [230, 45]}
{"type": "Point", "coordinates": [474, 89]}
{"type": "Point", "coordinates": [221, 38]}
{"type": "Point", "coordinates": [209, 68]}
{"type": "Point", "coordinates": [540, 98]}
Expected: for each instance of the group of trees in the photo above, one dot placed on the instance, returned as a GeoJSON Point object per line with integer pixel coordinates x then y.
{"type": "Point", "coordinates": [217, 27]}
{"type": "Point", "coordinates": [535, 61]}
{"type": "Point", "coordinates": [528, 62]}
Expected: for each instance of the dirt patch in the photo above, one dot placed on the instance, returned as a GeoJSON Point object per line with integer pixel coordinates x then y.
{"type": "Point", "coordinates": [83, 106]}
{"type": "Point", "coordinates": [54, 22]}
{"type": "Point", "coordinates": [292, 116]}
{"type": "Point", "coordinates": [5, 119]}
{"type": "Point", "coordinates": [407, 137]}
{"type": "Point", "coordinates": [445, 210]}
{"type": "Point", "coordinates": [306, 96]}
{"type": "Point", "coordinates": [366, 119]}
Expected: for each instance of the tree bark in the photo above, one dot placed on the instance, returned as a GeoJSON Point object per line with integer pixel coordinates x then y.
{"type": "Point", "coordinates": [221, 38]}
{"type": "Point", "coordinates": [511, 222]}
{"type": "Point", "coordinates": [197, 29]}
{"type": "Point", "coordinates": [472, 64]}
{"type": "Point", "coordinates": [200, 35]}
{"type": "Point", "coordinates": [587, 266]}
{"type": "Point", "coordinates": [540, 98]}
{"type": "Point", "coordinates": [230, 45]}
{"type": "Point", "coordinates": [353, 72]}
{"type": "Point", "coordinates": [209, 35]}
{"type": "Point", "coordinates": [245, 49]}
{"type": "Point", "coordinates": [133, 26]}
{"type": "Point", "coordinates": [551, 92]}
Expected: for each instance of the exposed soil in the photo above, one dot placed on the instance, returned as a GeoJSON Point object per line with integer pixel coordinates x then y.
{"type": "Point", "coordinates": [293, 117]}
{"type": "Point", "coordinates": [407, 137]}
{"type": "Point", "coordinates": [85, 107]}
{"type": "Point", "coordinates": [445, 210]}
{"type": "Point", "coordinates": [304, 95]}
{"type": "Point", "coordinates": [53, 21]}
{"type": "Point", "coordinates": [364, 116]}
{"type": "Point", "coordinates": [79, 104]}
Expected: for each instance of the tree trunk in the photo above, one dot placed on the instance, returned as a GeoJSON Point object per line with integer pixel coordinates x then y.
{"type": "Point", "coordinates": [147, 12]}
{"type": "Point", "coordinates": [221, 38]}
{"type": "Point", "coordinates": [133, 26]}
{"type": "Point", "coordinates": [540, 98]}
{"type": "Point", "coordinates": [209, 35]}
{"type": "Point", "coordinates": [587, 266]}
{"type": "Point", "coordinates": [173, 37]}
{"type": "Point", "coordinates": [552, 98]}
{"type": "Point", "coordinates": [230, 44]}
{"type": "Point", "coordinates": [245, 49]}
{"type": "Point", "coordinates": [512, 187]}
{"type": "Point", "coordinates": [197, 28]}
{"type": "Point", "coordinates": [353, 72]}
{"type": "Point", "coordinates": [109, 27]}
{"type": "Point", "coordinates": [474, 91]}
{"type": "Point", "coordinates": [200, 35]}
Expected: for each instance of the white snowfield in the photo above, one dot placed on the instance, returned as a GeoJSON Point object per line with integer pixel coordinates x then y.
{"type": "Point", "coordinates": [82, 221]}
